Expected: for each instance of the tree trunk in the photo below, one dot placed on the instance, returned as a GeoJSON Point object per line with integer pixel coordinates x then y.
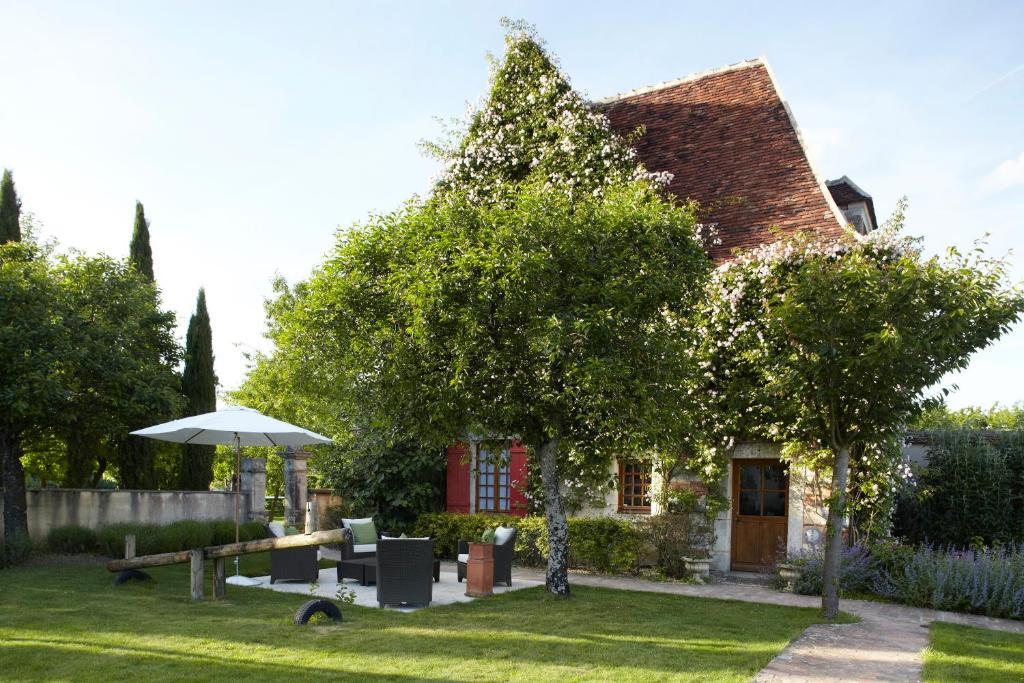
{"type": "Point", "coordinates": [15, 504]}
{"type": "Point", "coordinates": [557, 580]}
{"type": "Point", "coordinates": [833, 535]}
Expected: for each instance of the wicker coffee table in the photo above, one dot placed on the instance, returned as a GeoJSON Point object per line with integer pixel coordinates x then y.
{"type": "Point", "coordinates": [364, 570]}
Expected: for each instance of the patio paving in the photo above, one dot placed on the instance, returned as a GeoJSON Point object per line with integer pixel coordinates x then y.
{"type": "Point", "coordinates": [446, 591]}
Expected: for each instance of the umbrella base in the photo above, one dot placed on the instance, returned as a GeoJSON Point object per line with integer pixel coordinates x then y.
{"type": "Point", "coordinates": [243, 581]}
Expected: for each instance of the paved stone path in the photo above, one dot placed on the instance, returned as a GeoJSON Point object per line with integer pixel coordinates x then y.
{"type": "Point", "coordinates": [886, 645]}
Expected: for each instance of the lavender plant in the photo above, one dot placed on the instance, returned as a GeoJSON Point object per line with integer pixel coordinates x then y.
{"type": "Point", "coordinates": [986, 581]}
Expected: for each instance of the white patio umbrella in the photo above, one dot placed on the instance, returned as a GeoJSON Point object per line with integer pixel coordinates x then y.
{"type": "Point", "coordinates": [236, 426]}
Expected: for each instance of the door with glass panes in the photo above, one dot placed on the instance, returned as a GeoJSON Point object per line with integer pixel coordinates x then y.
{"type": "Point", "coordinates": [760, 496]}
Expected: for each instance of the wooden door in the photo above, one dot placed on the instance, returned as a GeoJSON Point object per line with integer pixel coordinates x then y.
{"type": "Point", "coordinates": [760, 501]}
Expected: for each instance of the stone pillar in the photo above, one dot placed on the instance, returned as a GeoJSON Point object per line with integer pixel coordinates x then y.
{"type": "Point", "coordinates": [254, 485]}
{"type": "Point", "coordinates": [295, 486]}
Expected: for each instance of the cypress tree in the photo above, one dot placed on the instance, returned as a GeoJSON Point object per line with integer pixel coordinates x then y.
{"type": "Point", "coordinates": [10, 210]}
{"type": "Point", "coordinates": [136, 456]}
{"type": "Point", "coordinates": [198, 383]}
{"type": "Point", "coordinates": [139, 253]}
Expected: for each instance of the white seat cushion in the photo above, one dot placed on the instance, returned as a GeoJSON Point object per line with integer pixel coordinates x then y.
{"type": "Point", "coordinates": [277, 529]}
{"type": "Point", "coordinates": [502, 534]}
{"type": "Point", "coordinates": [464, 558]}
{"type": "Point", "coordinates": [364, 548]}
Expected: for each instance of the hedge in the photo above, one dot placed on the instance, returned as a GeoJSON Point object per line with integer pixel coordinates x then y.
{"type": "Point", "coordinates": [72, 539]}
{"type": "Point", "coordinates": [603, 544]}
{"type": "Point", "coordinates": [970, 493]}
{"type": "Point", "coordinates": [184, 535]}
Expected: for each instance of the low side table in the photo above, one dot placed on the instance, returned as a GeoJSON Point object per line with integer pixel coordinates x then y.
{"type": "Point", "coordinates": [364, 570]}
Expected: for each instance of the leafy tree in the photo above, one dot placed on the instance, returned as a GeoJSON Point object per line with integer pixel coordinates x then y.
{"type": "Point", "coordinates": [830, 346]}
{"type": "Point", "coordinates": [10, 210]}
{"type": "Point", "coordinates": [541, 292]}
{"type": "Point", "coordinates": [199, 384]}
{"type": "Point", "coordinates": [276, 385]}
{"type": "Point", "coordinates": [140, 254]}
{"type": "Point", "coordinates": [380, 474]}
{"type": "Point", "coordinates": [32, 342]}
{"type": "Point", "coordinates": [119, 375]}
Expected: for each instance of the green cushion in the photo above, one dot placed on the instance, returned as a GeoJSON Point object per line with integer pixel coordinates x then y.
{"type": "Point", "coordinates": [291, 531]}
{"type": "Point", "coordinates": [363, 532]}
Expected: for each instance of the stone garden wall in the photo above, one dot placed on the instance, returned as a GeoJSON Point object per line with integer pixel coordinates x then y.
{"type": "Point", "coordinates": [93, 508]}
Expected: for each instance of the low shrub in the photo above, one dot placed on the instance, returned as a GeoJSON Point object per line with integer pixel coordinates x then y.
{"type": "Point", "coordinates": [72, 539]}
{"type": "Point", "coordinates": [602, 544]}
{"type": "Point", "coordinates": [988, 581]}
{"type": "Point", "coordinates": [858, 571]}
{"type": "Point", "coordinates": [675, 537]}
{"type": "Point", "coordinates": [151, 539]}
{"type": "Point", "coordinates": [14, 550]}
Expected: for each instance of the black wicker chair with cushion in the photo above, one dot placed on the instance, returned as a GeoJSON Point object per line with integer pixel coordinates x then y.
{"type": "Point", "coordinates": [405, 571]}
{"type": "Point", "coordinates": [504, 551]}
{"type": "Point", "coordinates": [293, 564]}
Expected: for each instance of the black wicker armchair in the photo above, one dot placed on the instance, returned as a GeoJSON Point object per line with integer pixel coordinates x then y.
{"type": "Point", "coordinates": [503, 554]}
{"type": "Point", "coordinates": [405, 571]}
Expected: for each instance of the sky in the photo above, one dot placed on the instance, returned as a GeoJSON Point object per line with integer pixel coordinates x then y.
{"type": "Point", "coordinates": [253, 131]}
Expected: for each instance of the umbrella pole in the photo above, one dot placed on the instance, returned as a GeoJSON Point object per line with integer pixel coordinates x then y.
{"type": "Point", "coordinates": [238, 579]}
{"type": "Point", "coordinates": [238, 482]}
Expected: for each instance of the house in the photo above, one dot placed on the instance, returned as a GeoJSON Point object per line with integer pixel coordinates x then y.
{"type": "Point", "coordinates": [732, 144]}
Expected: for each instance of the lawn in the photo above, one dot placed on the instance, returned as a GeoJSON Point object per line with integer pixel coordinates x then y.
{"type": "Point", "coordinates": [69, 622]}
{"type": "Point", "coordinates": [964, 653]}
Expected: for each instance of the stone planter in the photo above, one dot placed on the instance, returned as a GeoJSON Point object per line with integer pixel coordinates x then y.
{"type": "Point", "coordinates": [480, 570]}
{"type": "Point", "coordinates": [789, 573]}
{"type": "Point", "coordinates": [699, 567]}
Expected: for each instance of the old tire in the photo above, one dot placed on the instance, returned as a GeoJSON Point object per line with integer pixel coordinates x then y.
{"type": "Point", "coordinates": [131, 575]}
{"type": "Point", "coordinates": [314, 607]}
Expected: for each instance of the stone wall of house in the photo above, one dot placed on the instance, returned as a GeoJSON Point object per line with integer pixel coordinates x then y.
{"type": "Point", "coordinates": [94, 508]}
{"type": "Point", "coordinates": [806, 514]}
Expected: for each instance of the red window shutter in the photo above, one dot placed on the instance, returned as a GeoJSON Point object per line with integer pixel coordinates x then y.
{"type": "Point", "coordinates": [518, 504]}
{"type": "Point", "coordinates": [458, 478]}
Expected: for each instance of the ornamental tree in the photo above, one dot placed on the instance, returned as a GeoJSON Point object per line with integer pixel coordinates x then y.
{"type": "Point", "coordinates": [830, 346]}
{"type": "Point", "coordinates": [553, 320]}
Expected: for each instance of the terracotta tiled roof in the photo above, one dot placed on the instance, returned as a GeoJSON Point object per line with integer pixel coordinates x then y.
{"type": "Point", "coordinates": [731, 144]}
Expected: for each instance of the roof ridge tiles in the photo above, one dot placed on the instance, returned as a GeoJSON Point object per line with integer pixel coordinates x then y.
{"type": "Point", "coordinates": [746, 64]}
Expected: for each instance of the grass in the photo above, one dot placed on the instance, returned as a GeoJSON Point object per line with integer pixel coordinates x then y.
{"type": "Point", "coordinates": [965, 653]}
{"type": "Point", "coordinates": [69, 622]}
